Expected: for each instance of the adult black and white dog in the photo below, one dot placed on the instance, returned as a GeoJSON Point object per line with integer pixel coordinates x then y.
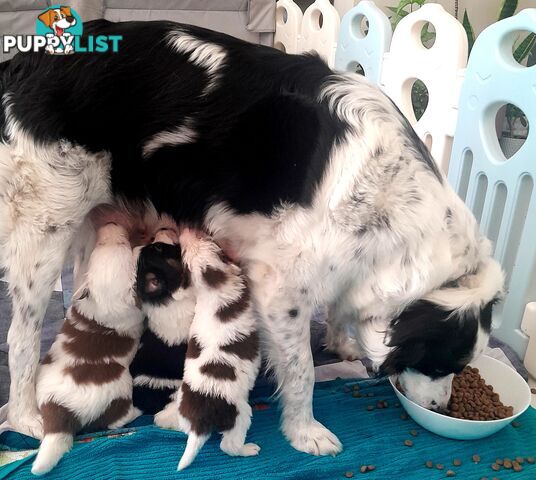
{"type": "Point", "coordinates": [314, 179]}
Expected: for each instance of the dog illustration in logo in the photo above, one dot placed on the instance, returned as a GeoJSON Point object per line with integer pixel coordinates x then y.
{"type": "Point", "coordinates": [58, 20]}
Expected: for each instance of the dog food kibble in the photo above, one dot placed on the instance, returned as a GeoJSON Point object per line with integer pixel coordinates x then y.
{"type": "Point", "coordinates": [408, 443]}
{"type": "Point", "coordinates": [496, 467]}
{"type": "Point", "coordinates": [370, 408]}
{"type": "Point", "coordinates": [451, 473]}
{"type": "Point", "coordinates": [413, 433]}
{"type": "Point", "coordinates": [456, 462]}
{"type": "Point", "coordinates": [355, 387]}
{"type": "Point", "coordinates": [440, 466]}
{"type": "Point", "coordinates": [476, 458]}
{"type": "Point", "coordinates": [370, 468]}
{"type": "Point", "coordinates": [379, 405]}
{"type": "Point", "coordinates": [429, 464]}
{"type": "Point", "coordinates": [363, 468]}
{"type": "Point", "coordinates": [516, 424]}
{"type": "Point", "coordinates": [404, 416]}
{"type": "Point", "coordinates": [507, 463]}
{"type": "Point", "coordinates": [519, 460]}
{"type": "Point", "coordinates": [349, 474]}
{"type": "Point", "coordinates": [499, 461]}
{"type": "Point", "coordinates": [531, 460]}
{"type": "Point", "coordinates": [473, 399]}
{"type": "Point", "coordinates": [516, 466]}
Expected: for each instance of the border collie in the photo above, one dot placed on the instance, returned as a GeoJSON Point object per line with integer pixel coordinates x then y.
{"type": "Point", "coordinates": [315, 179]}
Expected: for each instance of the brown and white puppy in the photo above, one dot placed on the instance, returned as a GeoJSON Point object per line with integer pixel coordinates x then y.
{"type": "Point", "coordinates": [222, 359]}
{"type": "Point", "coordinates": [84, 381]}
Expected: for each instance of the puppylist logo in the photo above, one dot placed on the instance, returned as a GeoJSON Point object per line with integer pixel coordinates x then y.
{"type": "Point", "coordinates": [59, 32]}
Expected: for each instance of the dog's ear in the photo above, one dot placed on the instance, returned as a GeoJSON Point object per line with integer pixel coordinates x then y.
{"type": "Point", "coordinates": [402, 357]}
{"type": "Point", "coordinates": [66, 11]}
{"type": "Point", "coordinates": [47, 17]}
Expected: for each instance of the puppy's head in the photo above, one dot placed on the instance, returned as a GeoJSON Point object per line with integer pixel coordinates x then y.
{"type": "Point", "coordinates": [162, 273]}
{"type": "Point", "coordinates": [61, 17]}
{"type": "Point", "coordinates": [202, 254]}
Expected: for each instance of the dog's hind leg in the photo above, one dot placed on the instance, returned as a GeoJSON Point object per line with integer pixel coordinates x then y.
{"type": "Point", "coordinates": [233, 441]}
{"type": "Point", "coordinates": [46, 190]}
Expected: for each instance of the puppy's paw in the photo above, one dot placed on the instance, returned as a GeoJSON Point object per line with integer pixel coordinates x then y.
{"type": "Point", "coordinates": [28, 423]}
{"type": "Point", "coordinates": [249, 450]}
{"type": "Point", "coordinates": [168, 418]}
{"type": "Point", "coordinates": [313, 438]}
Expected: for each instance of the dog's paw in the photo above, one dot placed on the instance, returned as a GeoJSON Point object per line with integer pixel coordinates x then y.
{"type": "Point", "coordinates": [168, 418]}
{"type": "Point", "coordinates": [30, 424]}
{"type": "Point", "coordinates": [313, 438]}
{"type": "Point", "coordinates": [250, 450]}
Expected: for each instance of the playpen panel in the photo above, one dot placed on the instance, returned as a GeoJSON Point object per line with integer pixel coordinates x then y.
{"type": "Point", "coordinates": [507, 206]}
{"type": "Point", "coordinates": [320, 30]}
{"type": "Point", "coordinates": [364, 37]}
{"type": "Point", "coordinates": [287, 26]}
{"type": "Point", "coordinates": [438, 67]}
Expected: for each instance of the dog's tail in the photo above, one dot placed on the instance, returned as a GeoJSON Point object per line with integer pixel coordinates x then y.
{"type": "Point", "coordinates": [193, 445]}
{"type": "Point", "coordinates": [53, 447]}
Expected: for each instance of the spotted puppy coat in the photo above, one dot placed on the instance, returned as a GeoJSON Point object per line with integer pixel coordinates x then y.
{"type": "Point", "coordinates": [84, 380]}
{"type": "Point", "coordinates": [222, 360]}
{"type": "Point", "coordinates": [168, 301]}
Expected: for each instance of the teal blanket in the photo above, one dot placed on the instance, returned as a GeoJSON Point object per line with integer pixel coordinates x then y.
{"type": "Point", "coordinates": [370, 438]}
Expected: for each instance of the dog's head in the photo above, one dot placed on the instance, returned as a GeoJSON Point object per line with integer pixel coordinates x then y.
{"type": "Point", "coordinates": [430, 345]}
{"type": "Point", "coordinates": [58, 19]}
{"type": "Point", "coordinates": [162, 272]}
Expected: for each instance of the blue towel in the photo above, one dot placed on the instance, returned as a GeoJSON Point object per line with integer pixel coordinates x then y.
{"type": "Point", "coordinates": [369, 437]}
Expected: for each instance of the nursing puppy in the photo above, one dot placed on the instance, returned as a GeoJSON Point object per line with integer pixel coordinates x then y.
{"type": "Point", "coordinates": [168, 301]}
{"type": "Point", "coordinates": [222, 360]}
{"type": "Point", "coordinates": [84, 382]}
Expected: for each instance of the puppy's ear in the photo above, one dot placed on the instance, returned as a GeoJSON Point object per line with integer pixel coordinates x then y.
{"type": "Point", "coordinates": [47, 17]}
{"type": "Point", "coordinates": [84, 293]}
{"type": "Point", "coordinates": [66, 11]}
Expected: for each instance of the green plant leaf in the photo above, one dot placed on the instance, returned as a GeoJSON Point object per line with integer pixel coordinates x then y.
{"type": "Point", "coordinates": [468, 30]}
{"type": "Point", "coordinates": [508, 8]}
{"type": "Point", "coordinates": [404, 3]}
{"type": "Point", "coordinates": [525, 47]}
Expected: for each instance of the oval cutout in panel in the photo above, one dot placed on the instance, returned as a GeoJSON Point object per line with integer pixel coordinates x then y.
{"type": "Point", "coordinates": [360, 26]}
{"type": "Point", "coordinates": [524, 196]}
{"type": "Point", "coordinates": [480, 196]}
{"type": "Point", "coordinates": [467, 167]}
{"type": "Point", "coordinates": [497, 211]}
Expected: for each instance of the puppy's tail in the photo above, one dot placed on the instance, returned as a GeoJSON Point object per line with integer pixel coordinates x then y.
{"type": "Point", "coordinates": [53, 447]}
{"type": "Point", "coordinates": [193, 445]}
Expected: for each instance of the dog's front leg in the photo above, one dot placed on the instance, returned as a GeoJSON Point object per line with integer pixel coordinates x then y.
{"type": "Point", "coordinates": [286, 314]}
{"type": "Point", "coordinates": [33, 267]}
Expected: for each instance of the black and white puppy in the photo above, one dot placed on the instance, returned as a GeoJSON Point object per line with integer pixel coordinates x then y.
{"type": "Point", "coordinates": [168, 301]}
{"type": "Point", "coordinates": [222, 360]}
{"type": "Point", "coordinates": [84, 382]}
{"type": "Point", "coordinates": [315, 175]}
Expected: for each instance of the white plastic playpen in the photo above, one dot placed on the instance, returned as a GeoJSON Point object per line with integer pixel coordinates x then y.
{"type": "Point", "coordinates": [458, 125]}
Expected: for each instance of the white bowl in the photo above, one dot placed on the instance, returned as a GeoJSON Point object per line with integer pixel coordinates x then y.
{"type": "Point", "coordinates": [510, 386]}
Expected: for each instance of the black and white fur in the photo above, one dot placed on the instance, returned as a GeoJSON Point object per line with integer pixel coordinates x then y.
{"type": "Point", "coordinates": [315, 180]}
{"type": "Point", "coordinates": [157, 368]}
{"type": "Point", "coordinates": [222, 360]}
